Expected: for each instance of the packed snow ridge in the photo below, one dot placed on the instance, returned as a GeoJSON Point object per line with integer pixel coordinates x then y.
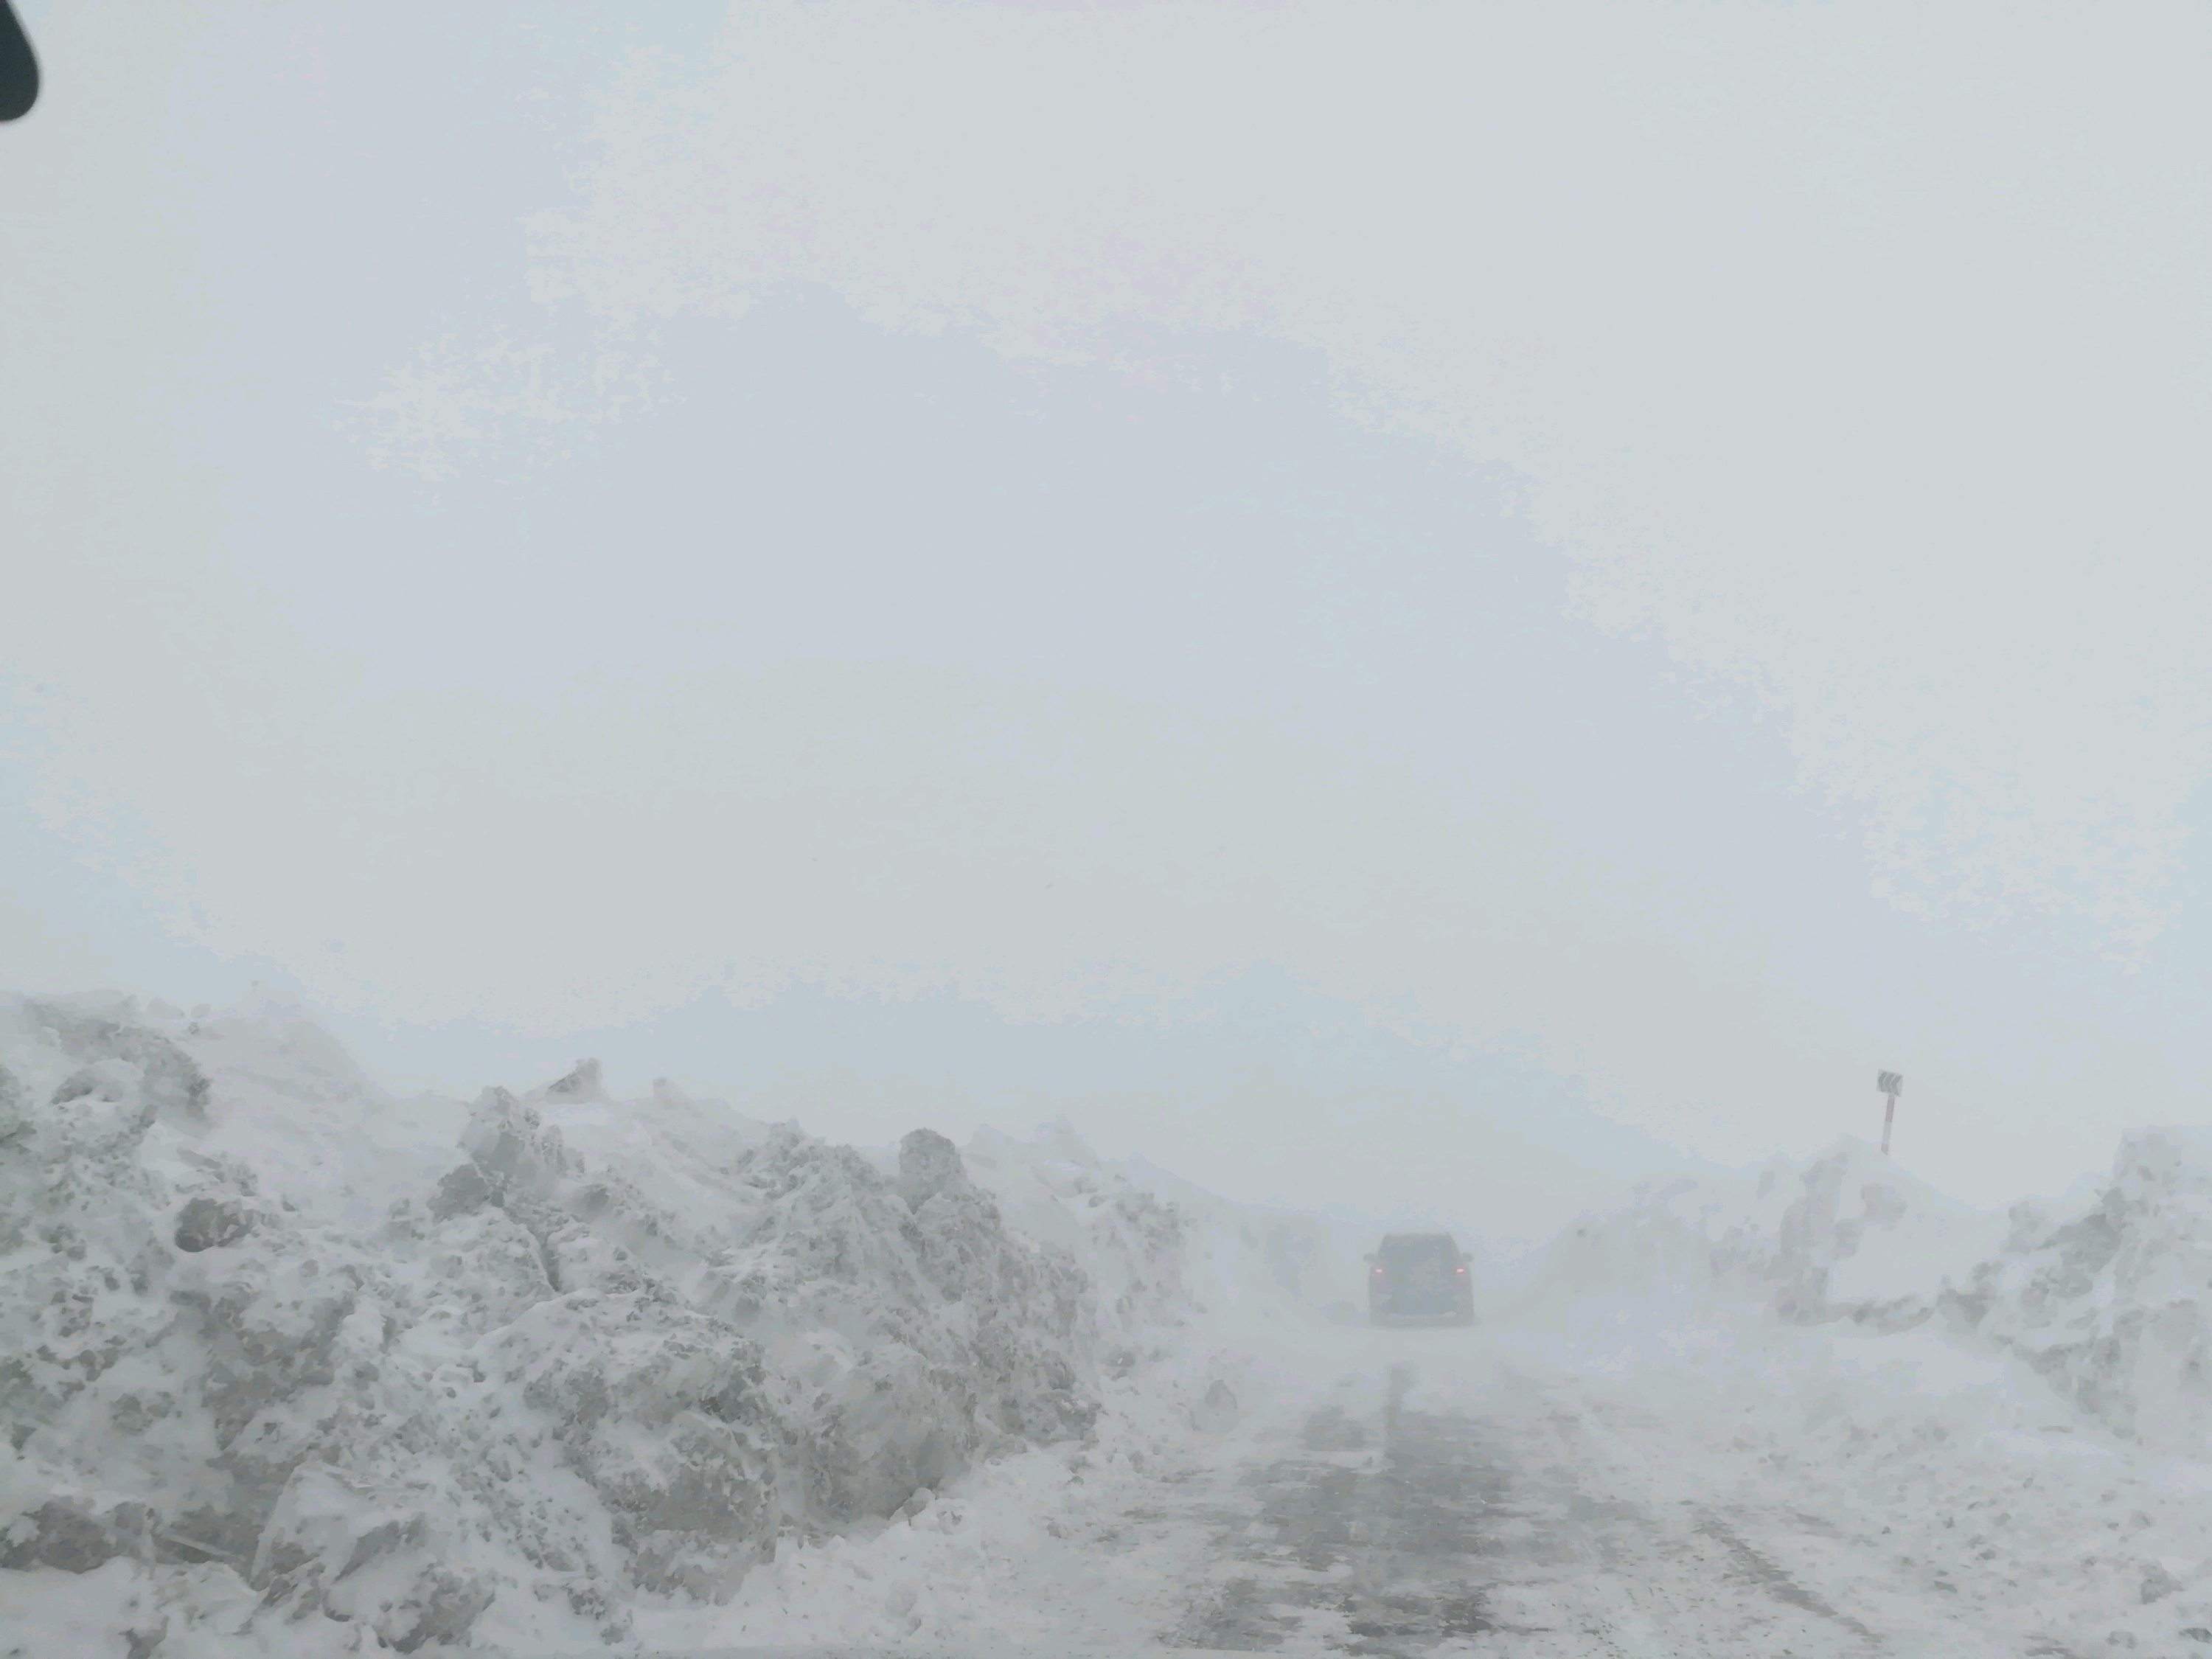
{"type": "Point", "coordinates": [255, 1315]}
{"type": "Point", "coordinates": [2112, 1307]}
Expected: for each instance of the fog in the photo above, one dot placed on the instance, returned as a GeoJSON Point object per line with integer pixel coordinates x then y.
{"type": "Point", "coordinates": [1394, 607]}
{"type": "Point", "coordinates": [1089, 828]}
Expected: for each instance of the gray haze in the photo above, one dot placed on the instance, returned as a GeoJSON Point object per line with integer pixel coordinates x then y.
{"type": "Point", "coordinates": [1288, 582]}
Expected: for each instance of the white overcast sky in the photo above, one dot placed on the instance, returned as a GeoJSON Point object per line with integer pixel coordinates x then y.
{"type": "Point", "coordinates": [1378, 602]}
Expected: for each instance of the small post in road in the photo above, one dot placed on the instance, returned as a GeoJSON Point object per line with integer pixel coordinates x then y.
{"type": "Point", "coordinates": [1892, 1085]}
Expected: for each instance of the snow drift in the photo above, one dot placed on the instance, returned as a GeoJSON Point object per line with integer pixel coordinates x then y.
{"type": "Point", "coordinates": [2114, 1306]}
{"type": "Point", "coordinates": [402, 1365]}
{"type": "Point", "coordinates": [1847, 1236]}
{"type": "Point", "coordinates": [1162, 1250]}
{"type": "Point", "coordinates": [2111, 1306]}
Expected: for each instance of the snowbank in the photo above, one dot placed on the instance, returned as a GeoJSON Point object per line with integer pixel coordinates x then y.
{"type": "Point", "coordinates": [2114, 1306]}
{"type": "Point", "coordinates": [309, 1367]}
{"type": "Point", "coordinates": [1135, 1246]}
{"type": "Point", "coordinates": [1168, 1256]}
{"type": "Point", "coordinates": [1990, 1404]}
{"type": "Point", "coordinates": [1848, 1236]}
{"type": "Point", "coordinates": [2111, 1306]}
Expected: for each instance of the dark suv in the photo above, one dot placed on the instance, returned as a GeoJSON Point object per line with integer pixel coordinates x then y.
{"type": "Point", "coordinates": [1419, 1277]}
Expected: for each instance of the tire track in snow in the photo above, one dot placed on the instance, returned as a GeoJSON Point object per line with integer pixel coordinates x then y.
{"type": "Point", "coordinates": [1420, 1530]}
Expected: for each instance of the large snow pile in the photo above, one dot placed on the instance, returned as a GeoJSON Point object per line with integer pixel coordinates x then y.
{"type": "Point", "coordinates": [329, 1368]}
{"type": "Point", "coordinates": [1211, 1324]}
{"type": "Point", "coordinates": [1161, 1249]}
{"type": "Point", "coordinates": [1256, 1267]}
{"type": "Point", "coordinates": [2111, 1305]}
{"type": "Point", "coordinates": [1133, 1244]}
{"type": "Point", "coordinates": [1846, 1235]}
{"type": "Point", "coordinates": [2114, 1306]}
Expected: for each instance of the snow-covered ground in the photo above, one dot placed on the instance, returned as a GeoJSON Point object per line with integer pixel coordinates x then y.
{"type": "Point", "coordinates": [291, 1366]}
{"type": "Point", "coordinates": [406, 1372]}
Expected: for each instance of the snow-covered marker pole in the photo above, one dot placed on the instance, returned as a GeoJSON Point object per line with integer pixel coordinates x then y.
{"type": "Point", "coordinates": [1892, 1085]}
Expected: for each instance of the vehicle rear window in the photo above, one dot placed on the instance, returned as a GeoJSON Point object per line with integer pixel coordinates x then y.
{"type": "Point", "coordinates": [1409, 1250]}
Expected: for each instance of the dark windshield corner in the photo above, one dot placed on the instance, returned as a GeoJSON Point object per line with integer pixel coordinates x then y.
{"type": "Point", "coordinates": [19, 67]}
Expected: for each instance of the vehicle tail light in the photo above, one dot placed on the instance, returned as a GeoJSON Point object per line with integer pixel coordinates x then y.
{"type": "Point", "coordinates": [1462, 1272]}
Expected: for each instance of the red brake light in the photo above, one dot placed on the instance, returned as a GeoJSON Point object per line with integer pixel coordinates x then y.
{"type": "Point", "coordinates": [1462, 1270]}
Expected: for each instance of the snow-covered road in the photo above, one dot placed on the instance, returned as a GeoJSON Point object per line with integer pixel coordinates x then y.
{"type": "Point", "coordinates": [1437, 1497]}
{"type": "Point", "coordinates": [1513, 1517]}
{"type": "Point", "coordinates": [1447, 1493]}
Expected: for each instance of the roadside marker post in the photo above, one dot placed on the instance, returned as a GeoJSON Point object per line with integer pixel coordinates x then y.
{"type": "Point", "coordinates": [1892, 1085]}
